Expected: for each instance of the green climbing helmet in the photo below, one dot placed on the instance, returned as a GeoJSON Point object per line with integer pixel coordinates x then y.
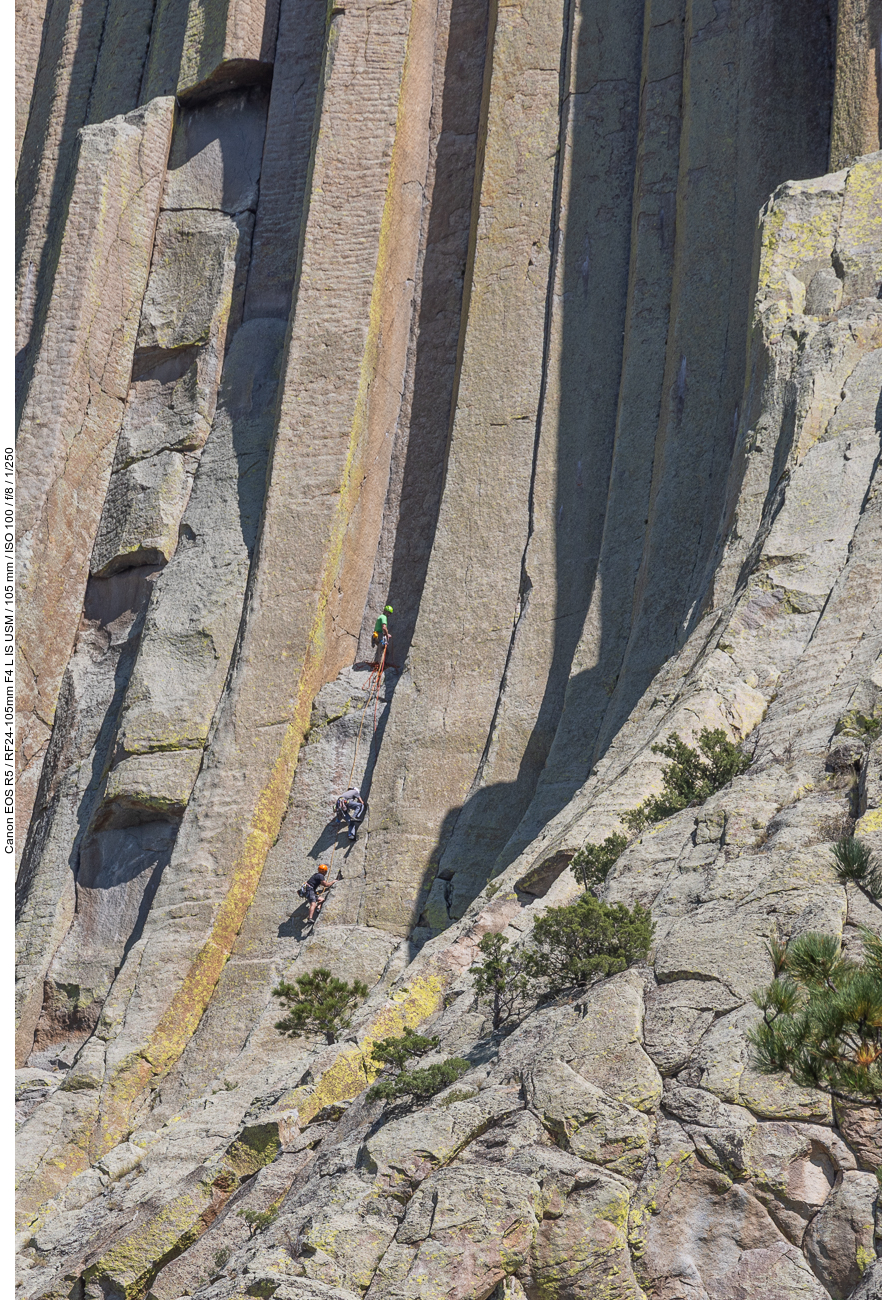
{"type": "Point", "coordinates": [388, 610]}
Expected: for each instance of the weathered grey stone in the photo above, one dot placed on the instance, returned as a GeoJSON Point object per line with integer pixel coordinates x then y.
{"type": "Point", "coordinates": [858, 412]}
{"type": "Point", "coordinates": [74, 404]}
{"type": "Point", "coordinates": [855, 126]}
{"type": "Point", "coordinates": [191, 275]}
{"type": "Point", "coordinates": [215, 158]}
{"type": "Point", "coordinates": [482, 1226]}
{"type": "Point", "coordinates": [309, 1289]}
{"type": "Point", "coordinates": [605, 1044]}
{"type": "Point", "coordinates": [870, 1285]}
{"type": "Point", "coordinates": [170, 406]}
{"type": "Point", "coordinates": [581, 1244]}
{"type": "Point", "coordinates": [677, 1015]}
{"type": "Point", "coordinates": [792, 1173]}
{"type": "Point", "coordinates": [857, 237]}
{"type": "Point", "coordinates": [727, 940]}
{"type": "Point", "coordinates": [778, 1272]}
{"type": "Point", "coordinates": [83, 1189]}
{"type": "Point", "coordinates": [286, 158]}
{"type": "Point", "coordinates": [29, 1080]}
{"type": "Point", "coordinates": [586, 1121]}
{"type": "Point", "coordinates": [119, 872]}
{"type": "Point", "coordinates": [405, 1150]}
{"type": "Point", "coordinates": [688, 1202]}
{"type": "Point", "coordinates": [193, 619]}
{"type": "Point", "coordinates": [120, 1160]}
{"type": "Point", "coordinates": [142, 512]}
{"type": "Point", "coordinates": [91, 693]}
{"type": "Point", "coordinates": [575, 429]}
{"type": "Point", "coordinates": [823, 293]}
{"type": "Point", "coordinates": [840, 1239]}
{"type": "Point", "coordinates": [306, 514]}
{"type": "Point", "coordinates": [634, 541]}
{"type": "Point", "coordinates": [722, 1066]}
{"type": "Point", "coordinates": [60, 48]}
{"type": "Point", "coordinates": [443, 708]}
{"type": "Point", "coordinates": [861, 1127]}
{"type": "Point", "coordinates": [160, 782]}
{"type": "Point", "coordinates": [200, 51]}
{"type": "Point", "coordinates": [28, 30]}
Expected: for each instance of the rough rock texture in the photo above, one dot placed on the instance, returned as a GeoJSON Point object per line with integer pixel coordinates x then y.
{"type": "Point", "coordinates": [557, 327]}
{"type": "Point", "coordinates": [74, 406]}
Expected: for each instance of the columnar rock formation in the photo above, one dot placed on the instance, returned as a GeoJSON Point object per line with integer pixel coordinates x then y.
{"type": "Point", "coordinates": [557, 326]}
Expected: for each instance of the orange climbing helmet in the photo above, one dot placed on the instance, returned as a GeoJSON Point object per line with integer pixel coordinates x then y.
{"type": "Point", "coordinates": [323, 867]}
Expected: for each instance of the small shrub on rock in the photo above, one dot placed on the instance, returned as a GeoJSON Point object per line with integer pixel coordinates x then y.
{"type": "Point", "coordinates": [822, 1017]}
{"type": "Point", "coordinates": [458, 1094]}
{"type": "Point", "coordinates": [500, 978]}
{"type": "Point", "coordinates": [585, 941]}
{"type": "Point", "coordinates": [258, 1220]}
{"type": "Point", "coordinates": [407, 1083]}
{"type": "Point", "coordinates": [318, 1003]}
{"type": "Point", "coordinates": [396, 1052]}
{"type": "Point", "coordinates": [421, 1084]}
{"type": "Point", "coordinates": [593, 863]}
{"type": "Point", "coordinates": [866, 726]}
{"type": "Point", "coordinates": [692, 775]}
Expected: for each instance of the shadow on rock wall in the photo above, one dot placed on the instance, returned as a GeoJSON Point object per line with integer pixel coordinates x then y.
{"type": "Point", "coordinates": [644, 466]}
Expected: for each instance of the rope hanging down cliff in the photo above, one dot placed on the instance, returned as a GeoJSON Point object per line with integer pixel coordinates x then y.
{"type": "Point", "coordinates": [373, 693]}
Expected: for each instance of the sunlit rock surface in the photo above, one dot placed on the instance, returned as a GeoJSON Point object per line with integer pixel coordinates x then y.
{"type": "Point", "coordinates": [558, 328]}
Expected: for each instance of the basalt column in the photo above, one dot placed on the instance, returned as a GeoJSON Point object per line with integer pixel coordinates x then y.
{"type": "Point", "coordinates": [328, 475]}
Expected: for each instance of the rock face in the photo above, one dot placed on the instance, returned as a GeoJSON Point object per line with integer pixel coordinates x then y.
{"type": "Point", "coordinates": [557, 327]}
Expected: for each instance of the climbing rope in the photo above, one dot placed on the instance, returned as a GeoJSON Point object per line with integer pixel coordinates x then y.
{"type": "Point", "coordinates": [373, 689]}
{"type": "Point", "coordinates": [373, 692]}
{"type": "Point", "coordinates": [377, 691]}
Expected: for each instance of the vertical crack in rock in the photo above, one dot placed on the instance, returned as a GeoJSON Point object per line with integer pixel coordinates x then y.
{"type": "Point", "coordinates": [75, 401]}
{"type": "Point", "coordinates": [546, 326]}
{"type": "Point", "coordinates": [445, 872]}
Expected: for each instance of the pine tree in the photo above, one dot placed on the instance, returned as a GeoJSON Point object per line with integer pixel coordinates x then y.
{"type": "Point", "coordinates": [396, 1052]}
{"type": "Point", "coordinates": [585, 941]}
{"type": "Point", "coordinates": [822, 1017]}
{"type": "Point", "coordinates": [500, 978]}
{"type": "Point", "coordinates": [318, 1003]}
{"type": "Point", "coordinates": [691, 776]}
{"type": "Point", "coordinates": [854, 863]}
{"type": "Point", "coordinates": [593, 862]}
{"type": "Point", "coordinates": [258, 1220]}
{"type": "Point", "coordinates": [406, 1083]}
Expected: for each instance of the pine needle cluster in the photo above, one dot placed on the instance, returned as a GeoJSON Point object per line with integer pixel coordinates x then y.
{"type": "Point", "coordinates": [585, 941]}
{"type": "Point", "coordinates": [406, 1082]}
{"type": "Point", "coordinates": [692, 775]}
{"type": "Point", "coordinates": [258, 1220]}
{"type": "Point", "coordinates": [318, 1003]}
{"type": "Point", "coordinates": [570, 947]}
{"type": "Point", "coordinates": [593, 862]}
{"type": "Point", "coordinates": [855, 864]}
{"type": "Point", "coordinates": [500, 978]}
{"type": "Point", "coordinates": [822, 1017]}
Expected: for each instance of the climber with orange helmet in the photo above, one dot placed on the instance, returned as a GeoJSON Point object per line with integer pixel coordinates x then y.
{"type": "Point", "coordinates": [316, 888]}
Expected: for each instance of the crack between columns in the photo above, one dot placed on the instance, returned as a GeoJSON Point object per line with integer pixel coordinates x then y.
{"type": "Point", "coordinates": [525, 585]}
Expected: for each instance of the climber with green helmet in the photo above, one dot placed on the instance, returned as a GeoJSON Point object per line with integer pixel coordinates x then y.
{"type": "Point", "coordinates": [382, 637]}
